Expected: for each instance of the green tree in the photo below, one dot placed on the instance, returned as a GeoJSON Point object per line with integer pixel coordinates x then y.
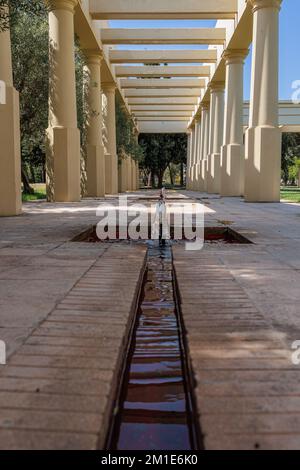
{"type": "Point", "coordinates": [290, 152]}
{"type": "Point", "coordinates": [127, 141]}
{"type": "Point", "coordinates": [10, 10]}
{"type": "Point", "coordinates": [160, 150]}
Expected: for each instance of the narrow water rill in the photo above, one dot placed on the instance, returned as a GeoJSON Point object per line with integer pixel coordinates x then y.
{"type": "Point", "coordinates": [155, 411]}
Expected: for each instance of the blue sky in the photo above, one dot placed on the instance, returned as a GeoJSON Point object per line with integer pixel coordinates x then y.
{"type": "Point", "coordinates": [289, 44]}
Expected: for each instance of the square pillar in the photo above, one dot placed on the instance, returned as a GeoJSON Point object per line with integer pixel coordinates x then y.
{"type": "Point", "coordinates": [63, 136]}
{"type": "Point", "coordinates": [10, 161]}
{"type": "Point", "coordinates": [263, 137]}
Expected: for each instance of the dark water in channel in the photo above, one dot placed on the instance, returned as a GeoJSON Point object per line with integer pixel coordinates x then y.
{"type": "Point", "coordinates": [155, 413]}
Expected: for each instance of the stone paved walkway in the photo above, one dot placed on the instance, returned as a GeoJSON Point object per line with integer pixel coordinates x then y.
{"type": "Point", "coordinates": [66, 309]}
{"type": "Point", "coordinates": [240, 305]}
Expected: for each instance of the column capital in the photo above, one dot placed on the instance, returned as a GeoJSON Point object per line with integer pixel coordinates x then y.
{"type": "Point", "coordinates": [68, 5]}
{"type": "Point", "coordinates": [258, 4]}
{"type": "Point", "coordinates": [93, 56]}
{"type": "Point", "coordinates": [204, 106]}
{"type": "Point", "coordinates": [235, 56]}
{"type": "Point", "coordinates": [197, 119]}
{"type": "Point", "coordinates": [109, 87]}
{"type": "Point", "coordinates": [216, 86]}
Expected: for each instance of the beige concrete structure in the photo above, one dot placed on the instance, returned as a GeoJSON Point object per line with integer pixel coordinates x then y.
{"type": "Point", "coordinates": [10, 159]}
{"type": "Point", "coordinates": [111, 159]}
{"type": "Point", "coordinates": [63, 136]}
{"type": "Point", "coordinates": [95, 149]}
{"type": "Point", "coordinates": [232, 152]}
{"type": "Point", "coordinates": [263, 156]}
{"type": "Point", "coordinates": [215, 137]}
{"type": "Point", "coordinates": [164, 90]}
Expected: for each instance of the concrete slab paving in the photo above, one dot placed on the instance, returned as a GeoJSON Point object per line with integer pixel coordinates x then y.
{"type": "Point", "coordinates": [240, 306]}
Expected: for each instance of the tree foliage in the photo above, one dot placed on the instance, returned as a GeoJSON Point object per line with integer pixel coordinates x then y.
{"type": "Point", "coordinates": [127, 141]}
{"type": "Point", "coordinates": [10, 10]}
{"type": "Point", "coordinates": [160, 150]}
{"type": "Point", "coordinates": [290, 155]}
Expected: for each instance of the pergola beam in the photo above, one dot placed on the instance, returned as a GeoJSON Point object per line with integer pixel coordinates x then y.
{"type": "Point", "coordinates": [162, 71]}
{"type": "Point", "coordinates": [171, 101]}
{"type": "Point", "coordinates": [139, 114]}
{"type": "Point", "coordinates": [208, 36]}
{"type": "Point", "coordinates": [161, 9]}
{"type": "Point", "coordinates": [155, 107]}
{"type": "Point", "coordinates": [159, 118]}
{"type": "Point", "coordinates": [162, 93]}
{"type": "Point", "coordinates": [161, 84]}
{"type": "Point", "coordinates": [162, 57]}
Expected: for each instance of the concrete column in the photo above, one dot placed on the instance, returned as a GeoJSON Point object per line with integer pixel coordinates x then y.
{"type": "Point", "coordinates": [63, 136]}
{"type": "Point", "coordinates": [190, 179]}
{"type": "Point", "coordinates": [133, 177]}
{"type": "Point", "coordinates": [123, 176]}
{"type": "Point", "coordinates": [216, 136]}
{"type": "Point", "coordinates": [94, 149]}
{"type": "Point", "coordinates": [198, 158]}
{"type": "Point", "coordinates": [10, 161]}
{"type": "Point", "coordinates": [137, 176]}
{"type": "Point", "coordinates": [188, 158]}
{"type": "Point", "coordinates": [205, 117]}
{"type": "Point", "coordinates": [263, 138]}
{"type": "Point", "coordinates": [201, 152]}
{"type": "Point", "coordinates": [129, 174]}
{"type": "Point", "coordinates": [195, 155]}
{"type": "Point", "coordinates": [232, 152]}
{"type": "Point", "coordinates": [111, 158]}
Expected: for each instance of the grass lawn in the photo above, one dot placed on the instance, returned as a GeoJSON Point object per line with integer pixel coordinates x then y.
{"type": "Point", "coordinates": [291, 194]}
{"type": "Point", "coordinates": [39, 193]}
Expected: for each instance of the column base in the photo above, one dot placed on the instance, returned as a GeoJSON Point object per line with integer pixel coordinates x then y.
{"type": "Point", "coordinates": [204, 174]}
{"type": "Point", "coordinates": [63, 164]}
{"type": "Point", "coordinates": [232, 170]}
{"type": "Point", "coordinates": [111, 174]}
{"type": "Point", "coordinates": [10, 161]}
{"type": "Point", "coordinates": [95, 171]}
{"type": "Point", "coordinates": [214, 173]}
{"type": "Point", "coordinates": [123, 176]}
{"type": "Point", "coordinates": [263, 164]}
{"type": "Point", "coordinates": [137, 177]}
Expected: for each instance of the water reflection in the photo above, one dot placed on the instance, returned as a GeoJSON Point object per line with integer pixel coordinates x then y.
{"type": "Point", "coordinates": [154, 415]}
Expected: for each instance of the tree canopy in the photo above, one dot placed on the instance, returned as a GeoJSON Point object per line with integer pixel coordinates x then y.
{"type": "Point", "coordinates": [160, 150]}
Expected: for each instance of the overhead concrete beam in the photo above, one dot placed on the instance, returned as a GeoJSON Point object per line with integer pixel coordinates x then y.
{"type": "Point", "coordinates": [162, 71]}
{"type": "Point", "coordinates": [171, 101]}
{"type": "Point", "coordinates": [162, 127]}
{"type": "Point", "coordinates": [159, 118]}
{"type": "Point", "coordinates": [162, 57]}
{"type": "Point", "coordinates": [163, 9]}
{"type": "Point", "coordinates": [149, 107]}
{"type": "Point", "coordinates": [154, 83]}
{"type": "Point", "coordinates": [164, 92]}
{"type": "Point", "coordinates": [210, 36]}
{"type": "Point", "coordinates": [139, 114]}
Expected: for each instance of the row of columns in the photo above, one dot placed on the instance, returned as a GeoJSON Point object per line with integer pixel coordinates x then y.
{"type": "Point", "coordinates": [218, 160]}
{"type": "Point", "coordinates": [63, 146]}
